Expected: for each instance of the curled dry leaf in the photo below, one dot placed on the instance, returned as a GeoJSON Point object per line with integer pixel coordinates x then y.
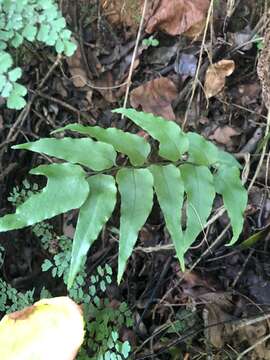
{"type": "Point", "coordinates": [156, 97]}
{"type": "Point", "coordinates": [216, 75]}
{"type": "Point", "coordinates": [178, 16]}
{"type": "Point", "coordinates": [49, 329]}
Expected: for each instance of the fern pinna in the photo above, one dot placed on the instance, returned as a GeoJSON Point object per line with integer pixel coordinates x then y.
{"type": "Point", "coordinates": [192, 170]}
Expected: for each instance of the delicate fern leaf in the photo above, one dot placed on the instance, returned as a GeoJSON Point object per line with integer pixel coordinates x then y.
{"type": "Point", "coordinates": [136, 190]}
{"type": "Point", "coordinates": [201, 151]}
{"type": "Point", "coordinates": [94, 213]}
{"type": "Point", "coordinates": [96, 155]}
{"type": "Point", "coordinates": [173, 142]}
{"type": "Point", "coordinates": [228, 184]}
{"type": "Point", "coordinates": [225, 158]}
{"type": "Point", "coordinates": [169, 188]}
{"type": "Point", "coordinates": [134, 146]}
{"type": "Point", "coordinates": [66, 189]}
{"type": "Point", "coordinates": [199, 187]}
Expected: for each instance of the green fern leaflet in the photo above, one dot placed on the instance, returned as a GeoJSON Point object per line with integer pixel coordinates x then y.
{"type": "Point", "coordinates": [187, 173]}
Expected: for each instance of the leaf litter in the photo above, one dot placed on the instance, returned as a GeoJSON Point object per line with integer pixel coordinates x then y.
{"type": "Point", "coordinates": [227, 108]}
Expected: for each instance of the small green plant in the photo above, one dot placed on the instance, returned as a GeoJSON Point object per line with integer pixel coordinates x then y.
{"type": "Point", "coordinates": [102, 320]}
{"type": "Point", "coordinates": [28, 20]}
{"type": "Point", "coordinates": [151, 41]}
{"type": "Point", "coordinates": [259, 42]}
{"type": "Point", "coordinates": [10, 299]}
{"type": "Point", "coordinates": [19, 195]}
{"type": "Point", "coordinates": [187, 170]}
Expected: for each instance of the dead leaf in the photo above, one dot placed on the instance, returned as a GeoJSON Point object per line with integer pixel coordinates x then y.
{"type": "Point", "coordinates": [177, 16]}
{"type": "Point", "coordinates": [49, 329]}
{"type": "Point", "coordinates": [156, 97]}
{"type": "Point", "coordinates": [76, 69]}
{"type": "Point", "coordinates": [223, 134]}
{"type": "Point", "coordinates": [195, 30]}
{"type": "Point", "coordinates": [241, 39]}
{"type": "Point", "coordinates": [126, 12]}
{"type": "Point", "coordinates": [161, 55]}
{"type": "Point", "coordinates": [217, 334]}
{"type": "Point", "coordinates": [186, 65]}
{"type": "Point", "coordinates": [216, 75]}
{"type": "Point", "coordinates": [252, 334]}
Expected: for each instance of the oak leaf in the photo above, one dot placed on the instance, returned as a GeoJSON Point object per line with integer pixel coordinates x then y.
{"type": "Point", "coordinates": [50, 329]}
{"type": "Point", "coordinates": [216, 75]}
{"type": "Point", "coordinates": [177, 16]}
{"type": "Point", "coordinates": [156, 97]}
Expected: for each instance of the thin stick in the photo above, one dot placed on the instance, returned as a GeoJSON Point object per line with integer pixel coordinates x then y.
{"type": "Point", "coordinates": [194, 85]}
{"type": "Point", "coordinates": [134, 54]}
{"type": "Point", "coordinates": [260, 341]}
{"type": "Point", "coordinates": [263, 152]}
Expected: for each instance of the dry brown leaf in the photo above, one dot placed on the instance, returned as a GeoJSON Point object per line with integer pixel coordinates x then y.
{"type": "Point", "coordinates": [127, 12]}
{"type": "Point", "coordinates": [195, 30]}
{"type": "Point", "coordinates": [177, 16]}
{"type": "Point", "coordinates": [76, 69]}
{"type": "Point", "coordinates": [216, 75]}
{"type": "Point", "coordinates": [223, 134]}
{"type": "Point", "coordinates": [156, 97]}
{"type": "Point", "coordinates": [252, 334]}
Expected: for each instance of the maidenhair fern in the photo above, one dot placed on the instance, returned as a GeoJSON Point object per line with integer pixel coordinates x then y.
{"type": "Point", "coordinates": [28, 20]}
{"type": "Point", "coordinates": [190, 169]}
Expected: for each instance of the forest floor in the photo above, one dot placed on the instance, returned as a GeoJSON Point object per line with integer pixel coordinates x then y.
{"type": "Point", "coordinates": [219, 308]}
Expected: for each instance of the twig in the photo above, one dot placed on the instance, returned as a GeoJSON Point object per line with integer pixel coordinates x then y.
{"type": "Point", "coordinates": [134, 54]}
{"type": "Point", "coordinates": [23, 114]}
{"type": "Point", "coordinates": [260, 341]}
{"type": "Point", "coordinates": [64, 105]}
{"type": "Point", "coordinates": [209, 249]}
{"type": "Point", "coordinates": [194, 85]}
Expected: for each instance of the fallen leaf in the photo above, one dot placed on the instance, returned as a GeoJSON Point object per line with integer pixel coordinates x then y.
{"type": "Point", "coordinates": [217, 334]}
{"type": "Point", "coordinates": [223, 134]}
{"type": "Point", "coordinates": [252, 334]}
{"type": "Point", "coordinates": [49, 329]}
{"type": "Point", "coordinates": [161, 55]}
{"type": "Point", "coordinates": [216, 75]}
{"type": "Point", "coordinates": [177, 16]}
{"type": "Point", "coordinates": [186, 65]}
{"type": "Point", "coordinates": [156, 97]}
{"type": "Point", "coordinates": [195, 30]}
{"type": "Point", "coordinates": [126, 12]}
{"type": "Point", "coordinates": [242, 39]}
{"type": "Point", "coordinates": [248, 93]}
{"type": "Point", "coordinates": [76, 69]}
